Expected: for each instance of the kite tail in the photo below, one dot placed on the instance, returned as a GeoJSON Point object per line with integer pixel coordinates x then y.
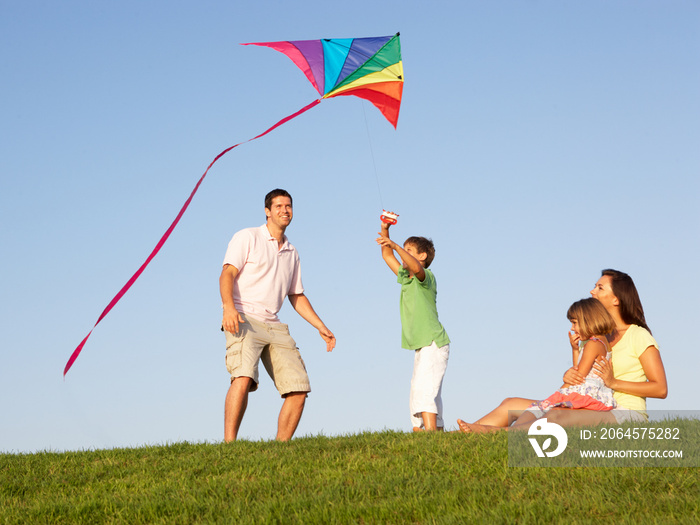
{"type": "Point", "coordinates": [165, 236]}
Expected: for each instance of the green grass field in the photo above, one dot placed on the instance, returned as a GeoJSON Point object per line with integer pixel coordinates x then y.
{"type": "Point", "coordinates": [385, 477]}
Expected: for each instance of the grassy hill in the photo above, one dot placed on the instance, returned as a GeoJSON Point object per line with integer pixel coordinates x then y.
{"type": "Point", "coordinates": [385, 477]}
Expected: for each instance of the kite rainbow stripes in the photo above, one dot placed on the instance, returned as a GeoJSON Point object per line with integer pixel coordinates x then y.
{"type": "Point", "coordinates": [369, 68]}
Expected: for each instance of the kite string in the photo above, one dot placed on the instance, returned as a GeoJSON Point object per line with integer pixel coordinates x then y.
{"type": "Point", "coordinates": [167, 233]}
{"type": "Point", "coordinates": [371, 150]}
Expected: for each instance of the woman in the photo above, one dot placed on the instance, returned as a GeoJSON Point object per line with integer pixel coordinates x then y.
{"type": "Point", "coordinates": [634, 373]}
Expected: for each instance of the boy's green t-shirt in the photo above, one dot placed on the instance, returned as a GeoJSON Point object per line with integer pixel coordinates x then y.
{"type": "Point", "coordinates": [420, 325]}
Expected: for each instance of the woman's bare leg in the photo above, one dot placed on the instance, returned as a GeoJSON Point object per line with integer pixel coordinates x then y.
{"type": "Point", "coordinates": [524, 421]}
{"type": "Point", "coordinates": [505, 413]}
{"type": "Point", "coordinates": [501, 417]}
{"type": "Point", "coordinates": [567, 417]}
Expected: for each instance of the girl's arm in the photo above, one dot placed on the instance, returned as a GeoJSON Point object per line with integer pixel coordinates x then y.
{"type": "Point", "coordinates": [591, 350]}
{"type": "Point", "coordinates": [654, 386]}
{"type": "Point", "coordinates": [577, 374]}
{"type": "Point", "coordinates": [572, 375]}
{"type": "Point", "coordinates": [575, 351]}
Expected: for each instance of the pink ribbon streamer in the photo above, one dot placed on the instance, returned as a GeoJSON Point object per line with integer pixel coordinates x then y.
{"type": "Point", "coordinates": [167, 233]}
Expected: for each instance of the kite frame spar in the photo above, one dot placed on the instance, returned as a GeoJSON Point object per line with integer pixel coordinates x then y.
{"type": "Point", "coordinates": [369, 68]}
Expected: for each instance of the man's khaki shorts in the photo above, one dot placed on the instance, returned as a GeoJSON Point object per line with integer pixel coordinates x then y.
{"type": "Point", "coordinates": [272, 343]}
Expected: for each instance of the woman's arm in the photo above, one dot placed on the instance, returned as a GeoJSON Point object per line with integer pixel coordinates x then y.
{"type": "Point", "coordinates": [654, 386]}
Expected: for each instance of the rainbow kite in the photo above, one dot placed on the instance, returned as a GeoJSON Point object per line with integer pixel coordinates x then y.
{"type": "Point", "coordinates": [369, 68]}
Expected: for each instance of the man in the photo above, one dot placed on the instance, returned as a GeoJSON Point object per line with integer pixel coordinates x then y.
{"type": "Point", "coordinates": [261, 268]}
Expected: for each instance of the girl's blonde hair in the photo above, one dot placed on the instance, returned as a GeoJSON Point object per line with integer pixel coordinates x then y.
{"type": "Point", "coordinates": [593, 318]}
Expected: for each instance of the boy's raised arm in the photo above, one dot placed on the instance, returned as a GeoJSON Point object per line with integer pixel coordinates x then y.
{"type": "Point", "coordinates": [412, 264]}
{"type": "Point", "coordinates": [387, 249]}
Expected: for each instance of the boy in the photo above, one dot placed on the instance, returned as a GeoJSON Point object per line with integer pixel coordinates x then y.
{"type": "Point", "coordinates": [421, 330]}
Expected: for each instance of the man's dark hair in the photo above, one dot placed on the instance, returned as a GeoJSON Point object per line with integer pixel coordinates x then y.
{"type": "Point", "coordinates": [276, 193]}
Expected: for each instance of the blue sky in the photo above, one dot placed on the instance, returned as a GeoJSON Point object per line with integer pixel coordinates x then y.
{"type": "Point", "coordinates": [538, 143]}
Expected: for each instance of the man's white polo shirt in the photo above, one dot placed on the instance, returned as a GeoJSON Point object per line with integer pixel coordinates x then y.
{"type": "Point", "coordinates": [266, 274]}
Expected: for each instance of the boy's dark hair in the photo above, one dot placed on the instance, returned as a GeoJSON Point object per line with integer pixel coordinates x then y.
{"type": "Point", "coordinates": [423, 245]}
{"type": "Point", "coordinates": [276, 193]}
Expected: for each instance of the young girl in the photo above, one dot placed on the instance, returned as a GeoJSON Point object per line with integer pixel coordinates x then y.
{"type": "Point", "coordinates": [590, 321]}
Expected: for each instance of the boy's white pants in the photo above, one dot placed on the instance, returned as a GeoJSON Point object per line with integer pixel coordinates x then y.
{"type": "Point", "coordinates": [429, 365]}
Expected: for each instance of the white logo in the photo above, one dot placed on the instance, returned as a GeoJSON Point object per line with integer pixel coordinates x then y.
{"type": "Point", "coordinates": [543, 428]}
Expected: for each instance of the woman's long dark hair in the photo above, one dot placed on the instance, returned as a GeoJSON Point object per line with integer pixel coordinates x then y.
{"type": "Point", "coordinates": [624, 289]}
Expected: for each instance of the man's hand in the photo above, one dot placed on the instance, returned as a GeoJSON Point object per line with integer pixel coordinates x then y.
{"type": "Point", "coordinates": [303, 307]}
{"type": "Point", "coordinates": [232, 320]}
{"type": "Point", "coordinates": [328, 337]}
